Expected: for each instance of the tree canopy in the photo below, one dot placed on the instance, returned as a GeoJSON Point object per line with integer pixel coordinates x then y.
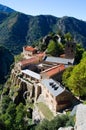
{"type": "Point", "coordinates": [68, 37]}
{"type": "Point", "coordinates": [57, 122]}
{"type": "Point", "coordinates": [75, 79]}
{"type": "Point", "coordinates": [54, 48]}
{"type": "Point", "coordinates": [79, 52]}
{"type": "Point", "coordinates": [12, 116]}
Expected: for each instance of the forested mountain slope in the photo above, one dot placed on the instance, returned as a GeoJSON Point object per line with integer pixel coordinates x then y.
{"type": "Point", "coordinates": [18, 29]}
{"type": "Point", "coordinates": [6, 60]}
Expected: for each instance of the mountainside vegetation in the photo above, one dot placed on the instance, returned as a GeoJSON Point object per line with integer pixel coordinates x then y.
{"type": "Point", "coordinates": [6, 9]}
{"type": "Point", "coordinates": [6, 60]}
{"type": "Point", "coordinates": [74, 78]}
{"type": "Point", "coordinates": [12, 117]}
{"type": "Point", "coordinates": [54, 48]}
{"type": "Point", "coordinates": [56, 123]}
{"type": "Point", "coordinates": [18, 29]}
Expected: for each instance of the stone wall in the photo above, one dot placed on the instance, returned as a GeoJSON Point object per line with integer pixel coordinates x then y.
{"type": "Point", "coordinates": [66, 128]}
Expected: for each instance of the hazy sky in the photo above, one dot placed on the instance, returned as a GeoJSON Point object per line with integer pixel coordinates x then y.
{"type": "Point", "coordinates": [59, 8]}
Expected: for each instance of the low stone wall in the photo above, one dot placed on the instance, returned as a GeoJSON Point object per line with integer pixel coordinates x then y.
{"type": "Point", "coordinates": [68, 128]}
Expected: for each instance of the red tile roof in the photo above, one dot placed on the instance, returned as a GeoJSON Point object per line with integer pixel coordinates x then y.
{"type": "Point", "coordinates": [54, 70]}
{"type": "Point", "coordinates": [29, 48]}
{"type": "Point", "coordinates": [32, 60]}
{"type": "Point", "coordinates": [28, 61]}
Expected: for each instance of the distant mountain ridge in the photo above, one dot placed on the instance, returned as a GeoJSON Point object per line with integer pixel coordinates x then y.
{"type": "Point", "coordinates": [18, 29]}
{"type": "Point", "coordinates": [6, 9]}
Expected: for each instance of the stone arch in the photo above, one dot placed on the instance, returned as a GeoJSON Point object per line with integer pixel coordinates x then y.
{"type": "Point", "coordinates": [38, 92]}
{"type": "Point", "coordinates": [14, 80]}
{"type": "Point", "coordinates": [22, 89]}
{"type": "Point", "coordinates": [23, 86]}
{"type": "Point", "coordinates": [30, 90]}
{"type": "Point", "coordinates": [18, 81]}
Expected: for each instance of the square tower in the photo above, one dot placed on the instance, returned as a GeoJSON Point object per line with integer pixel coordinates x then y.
{"type": "Point", "coordinates": [70, 49]}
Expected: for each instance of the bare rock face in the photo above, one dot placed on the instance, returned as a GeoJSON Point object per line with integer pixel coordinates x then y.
{"type": "Point", "coordinates": [80, 123]}
{"type": "Point", "coordinates": [68, 128]}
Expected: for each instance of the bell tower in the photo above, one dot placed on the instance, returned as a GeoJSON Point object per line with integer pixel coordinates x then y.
{"type": "Point", "coordinates": [70, 50]}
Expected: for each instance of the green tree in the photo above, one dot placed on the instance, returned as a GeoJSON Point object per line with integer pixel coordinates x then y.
{"type": "Point", "coordinates": [18, 58]}
{"type": "Point", "coordinates": [77, 81]}
{"type": "Point", "coordinates": [71, 121]}
{"type": "Point", "coordinates": [66, 75]}
{"type": "Point", "coordinates": [42, 46]}
{"type": "Point", "coordinates": [57, 122]}
{"type": "Point", "coordinates": [43, 125]}
{"type": "Point", "coordinates": [20, 117]}
{"type": "Point", "coordinates": [54, 48]}
{"type": "Point", "coordinates": [84, 55]}
{"type": "Point", "coordinates": [2, 125]}
{"type": "Point", "coordinates": [9, 116]}
{"type": "Point", "coordinates": [75, 78]}
{"type": "Point", "coordinates": [79, 52]}
{"type": "Point", "coordinates": [1, 88]}
{"type": "Point", "coordinates": [5, 103]}
{"type": "Point", "coordinates": [68, 37]}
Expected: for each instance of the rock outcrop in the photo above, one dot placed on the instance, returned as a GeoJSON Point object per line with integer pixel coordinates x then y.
{"type": "Point", "coordinates": [80, 123]}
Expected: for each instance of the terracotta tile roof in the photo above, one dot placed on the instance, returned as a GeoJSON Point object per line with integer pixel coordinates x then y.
{"type": "Point", "coordinates": [54, 70]}
{"type": "Point", "coordinates": [28, 61]}
{"type": "Point", "coordinates": [32, 60]}
{"type": "Point", "coordinates": [29, 48]}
